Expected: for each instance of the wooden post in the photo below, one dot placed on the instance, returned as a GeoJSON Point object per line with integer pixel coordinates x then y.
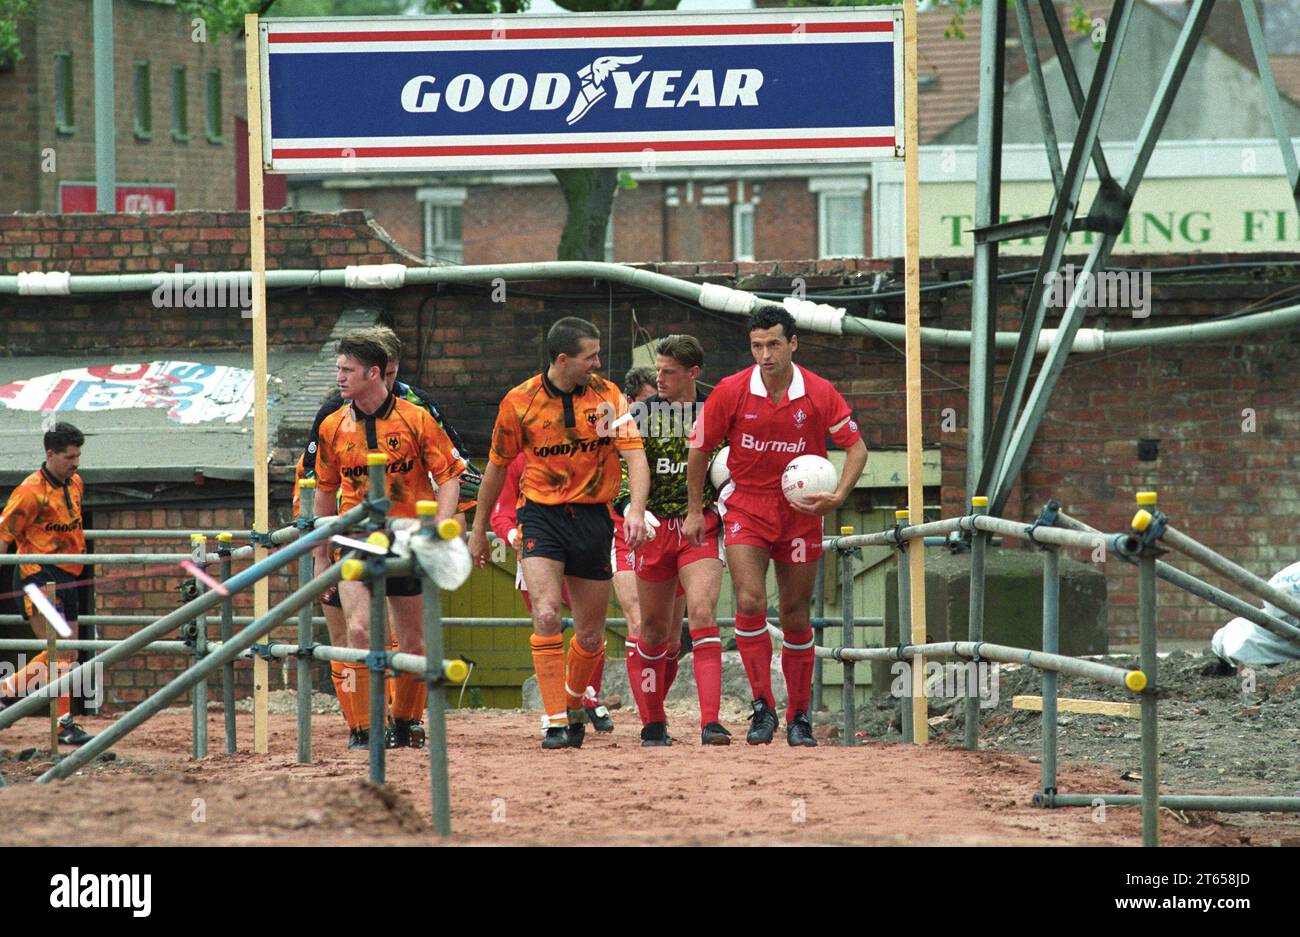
{"type": "Point", "coordinates": [257, 257]}
{"type": "Point", "coordinates": [912, 287]}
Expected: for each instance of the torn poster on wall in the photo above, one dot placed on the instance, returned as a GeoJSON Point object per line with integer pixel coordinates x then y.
{"type": "Point", "coordinates": [190, 392]}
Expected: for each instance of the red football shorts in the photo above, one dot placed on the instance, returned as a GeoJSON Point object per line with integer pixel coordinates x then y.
{"type": "Point", "coordinates": [621, 558]}
{"type": "Point", "coordinates": [768, 521]}
{"type": "Point", "coordinates": [660, 559]}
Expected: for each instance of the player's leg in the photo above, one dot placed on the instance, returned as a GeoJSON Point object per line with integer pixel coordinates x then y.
{"type": "Point", "coordinates": [354, 598]}
{"type": "Point", "coordinates": [702, 581]}
{"type": "Point", "coordinates": [798, 653]}
{"type": "Point", "coordinates": [406, 612]}
{"type": "Point", "coordinates": [748, 565]}
{"type": "Point", "coordinates": [544, 578]}
{"type": "Point", "coordinates": [674, 640]}
{"type": "Point", "coordinates": [343, 675]}
{"type": "Point", "coordinates": [59, 589]}
{"type": "Point", "coordinates": [648, 665]}
{"type": "Point", "coordinates": [589, 599]}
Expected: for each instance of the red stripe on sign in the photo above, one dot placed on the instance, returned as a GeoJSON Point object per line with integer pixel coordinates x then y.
{"type": "Point", "coordinates": [525, 149]}
{"type": "Point", "coordinates": [56, 395]}
{"type": "Point", "coordinates": [581, 32]}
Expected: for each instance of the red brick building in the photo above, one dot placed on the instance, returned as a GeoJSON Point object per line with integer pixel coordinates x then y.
{"type": "Point", "coordinates": [180, 110]}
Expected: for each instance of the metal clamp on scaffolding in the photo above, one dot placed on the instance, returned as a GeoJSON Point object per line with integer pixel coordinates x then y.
{"type": "Point", "coordinates": [261, 650]}
{"type": "Point", "coordinates": [377, 662]}
{"type": "Point", "coordinates": [260, 538]}
{"type": "Point", "coordinates": [1048, 517]}
{"type": "Point", "coordinates": [307, 651]}
{"type": "Point", "coordinates": [1148, 523]}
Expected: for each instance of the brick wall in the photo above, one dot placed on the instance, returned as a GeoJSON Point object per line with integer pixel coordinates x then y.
{"type": "Point", "coordinates": [202, 171]}
{"type": "Point", "coordinates": [199, 242]}
{"type": "Point", "coordinates": [1234, 489]}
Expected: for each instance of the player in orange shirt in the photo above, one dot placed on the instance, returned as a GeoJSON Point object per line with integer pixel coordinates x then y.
{"type": "Point", "coordinates": [417, 449]}
{"type": "Point", "coordinates": [43, 515]}
{"type": "Point", "coordinates": [572, 426]}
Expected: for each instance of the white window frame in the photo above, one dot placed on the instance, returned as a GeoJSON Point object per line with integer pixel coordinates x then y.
{"type": "Point", "coordinates": [827, 190]}
{"type": "Point", "coordinates": [437, 247]}
{"type": "Point", "coordinates": [740, 212]}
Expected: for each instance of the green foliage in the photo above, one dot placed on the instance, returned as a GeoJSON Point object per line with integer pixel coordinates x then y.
{"type": "Point", "coordinates": [10, 10]}
{"type": "Point", "coordinates": [625, 180]}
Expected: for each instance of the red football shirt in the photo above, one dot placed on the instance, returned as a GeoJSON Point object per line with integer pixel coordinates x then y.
{"type": "Point", "coordinates": [764, 436]}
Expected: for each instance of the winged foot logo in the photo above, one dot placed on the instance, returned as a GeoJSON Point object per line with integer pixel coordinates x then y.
{"type": "Point", "coordinates": [550, 91]}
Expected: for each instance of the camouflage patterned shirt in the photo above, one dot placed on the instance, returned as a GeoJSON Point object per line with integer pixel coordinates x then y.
{"type": "Point", "coordinates": [665, 430]}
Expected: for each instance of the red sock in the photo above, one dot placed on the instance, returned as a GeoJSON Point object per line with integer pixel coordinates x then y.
{"type": "Point", "coordinates": [634, 677]}
{"type": "Point", "coordinates": [755, 648]}
{"type": "Point", "coordinates": [797, 656]}
{"type": "Point", "coordinates": [706, 653]}
{"type": "Point", "coordinates": [670, 667]}
{"type": "Point", "coordinates": [650, 664]}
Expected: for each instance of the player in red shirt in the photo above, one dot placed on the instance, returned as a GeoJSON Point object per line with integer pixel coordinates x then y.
{"type": "Point", "coordinates": [769, 414]}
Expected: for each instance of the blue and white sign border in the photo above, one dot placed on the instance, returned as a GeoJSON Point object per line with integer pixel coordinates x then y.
{"type": "Point", "coordinates": [607, 31]}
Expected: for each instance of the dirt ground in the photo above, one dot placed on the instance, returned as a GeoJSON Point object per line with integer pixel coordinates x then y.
{"type": "Point", "coordinates": [506, 790]}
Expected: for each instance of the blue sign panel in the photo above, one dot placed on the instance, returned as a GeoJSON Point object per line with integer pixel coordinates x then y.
{"type": "Point", "coordinates": [472, 92]}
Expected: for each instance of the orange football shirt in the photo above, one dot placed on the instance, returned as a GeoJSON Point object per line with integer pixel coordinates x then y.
{"type": "Point", "coordinates": [415, 445]}
{"type": "Point", "coordinates": [570, 441]}
{"type": "Point", "coordinates": [44, 516]}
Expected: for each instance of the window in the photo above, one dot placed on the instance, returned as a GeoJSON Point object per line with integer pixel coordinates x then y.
{"type": "Point", "coordinates": [180, 105]}
{"type": "Point", "coordinates": [742, 231]}
{"type": "Point", "coordinates": [443, 213]}
{"type": "Point", "coordinates": [841, 218]}
{"type": "Point", "coordinates": [212, 84]}
{"type": "Point", "coordinates": [64, 121]}
{"type": "Point", "coordinates": [143, 103]}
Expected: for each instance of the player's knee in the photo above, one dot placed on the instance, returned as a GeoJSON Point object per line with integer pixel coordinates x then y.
{"type": "Point", "coordinates": [358, 634]}
{"type": "Point", "coordinates": [591, 643]}
{"type": "Point", "coordinates": [751, 602]}
{"type": "Point", "coordinates": [548, 619]}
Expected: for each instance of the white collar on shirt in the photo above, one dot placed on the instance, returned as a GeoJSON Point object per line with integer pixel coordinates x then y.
{"type": "Point", "coordinates": [795, 391]}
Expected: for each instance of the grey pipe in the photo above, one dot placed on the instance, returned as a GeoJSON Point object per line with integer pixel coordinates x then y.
{"type": "Point", "coordinates": [975, 628]}
{"type": "Point", "coordinates": [1230, 570]}
{"type": "Point", "coordinates": [1223, 803]}
{"type": "Point", "coordinates": [1130, 680]}
{"type": "Point", "coordinates": [199, 696]}
{"type": "Point", "coordinates": [157, 534]}
{"type": "Point", "coordinates": [819, 631]}
{"type": "Point", "coordinates": [34, 644]}
{"type": "Point", "coordinates": [905, 637]}
{"type": "Point", "coordinates": [91, 559]}
{"type": "Point", "coordinates": [375, 569]}
{"type": "Point", "coordinates": [170, 622]}
{"type": "Point", "coordinates": [892, 536]}
{"type": "Point", "coordinates": [1215, 596]}
{"type": "Point", "coordinates": [155, 703]}
{"type": "Point", "coordinates": [1280, 319]}
{"type": "Point", "coordinates": [1150, 723]}
{"type": "Point", "coordinates": [306, 566]}
{"type": "Point", "coordinates": [406, 663]}
{"type": "Point", "coordinates": [141, 619]}
{"type": "Point", "coordinates": [436, 698]}
{"type": "Point", "coordinates": [1051, 645]}
{"type": "Point", "coordinates": [847, 691]}
{"type": "Point", "coordinates": [228, 670]}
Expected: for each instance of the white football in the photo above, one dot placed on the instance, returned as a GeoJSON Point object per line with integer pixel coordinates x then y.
{"type": "Point", "coordinates": [808, 475]}
{"type": "Point", "coordinates": [718, 473]}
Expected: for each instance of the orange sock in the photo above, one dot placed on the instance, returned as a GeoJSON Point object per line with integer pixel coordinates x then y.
{"type": "Point", "coordinates": [25, 678]}
{"type": "Point", "coordinates": [582, 664]}
{"type": "Point", "coordinates": [339, 674]}
{"type": "Point", "coordinates": [548, 661]}
{"type": "Point", "coordinates": [390, 683]}
{"type": "Point", "coordinates": [411, 693]}
{"type": "Point", "coordinates": [360, 695]}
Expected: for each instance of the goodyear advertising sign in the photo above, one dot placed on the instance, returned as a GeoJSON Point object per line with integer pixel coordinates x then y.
{"type": "Point", "coordinates": [480, 92]}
